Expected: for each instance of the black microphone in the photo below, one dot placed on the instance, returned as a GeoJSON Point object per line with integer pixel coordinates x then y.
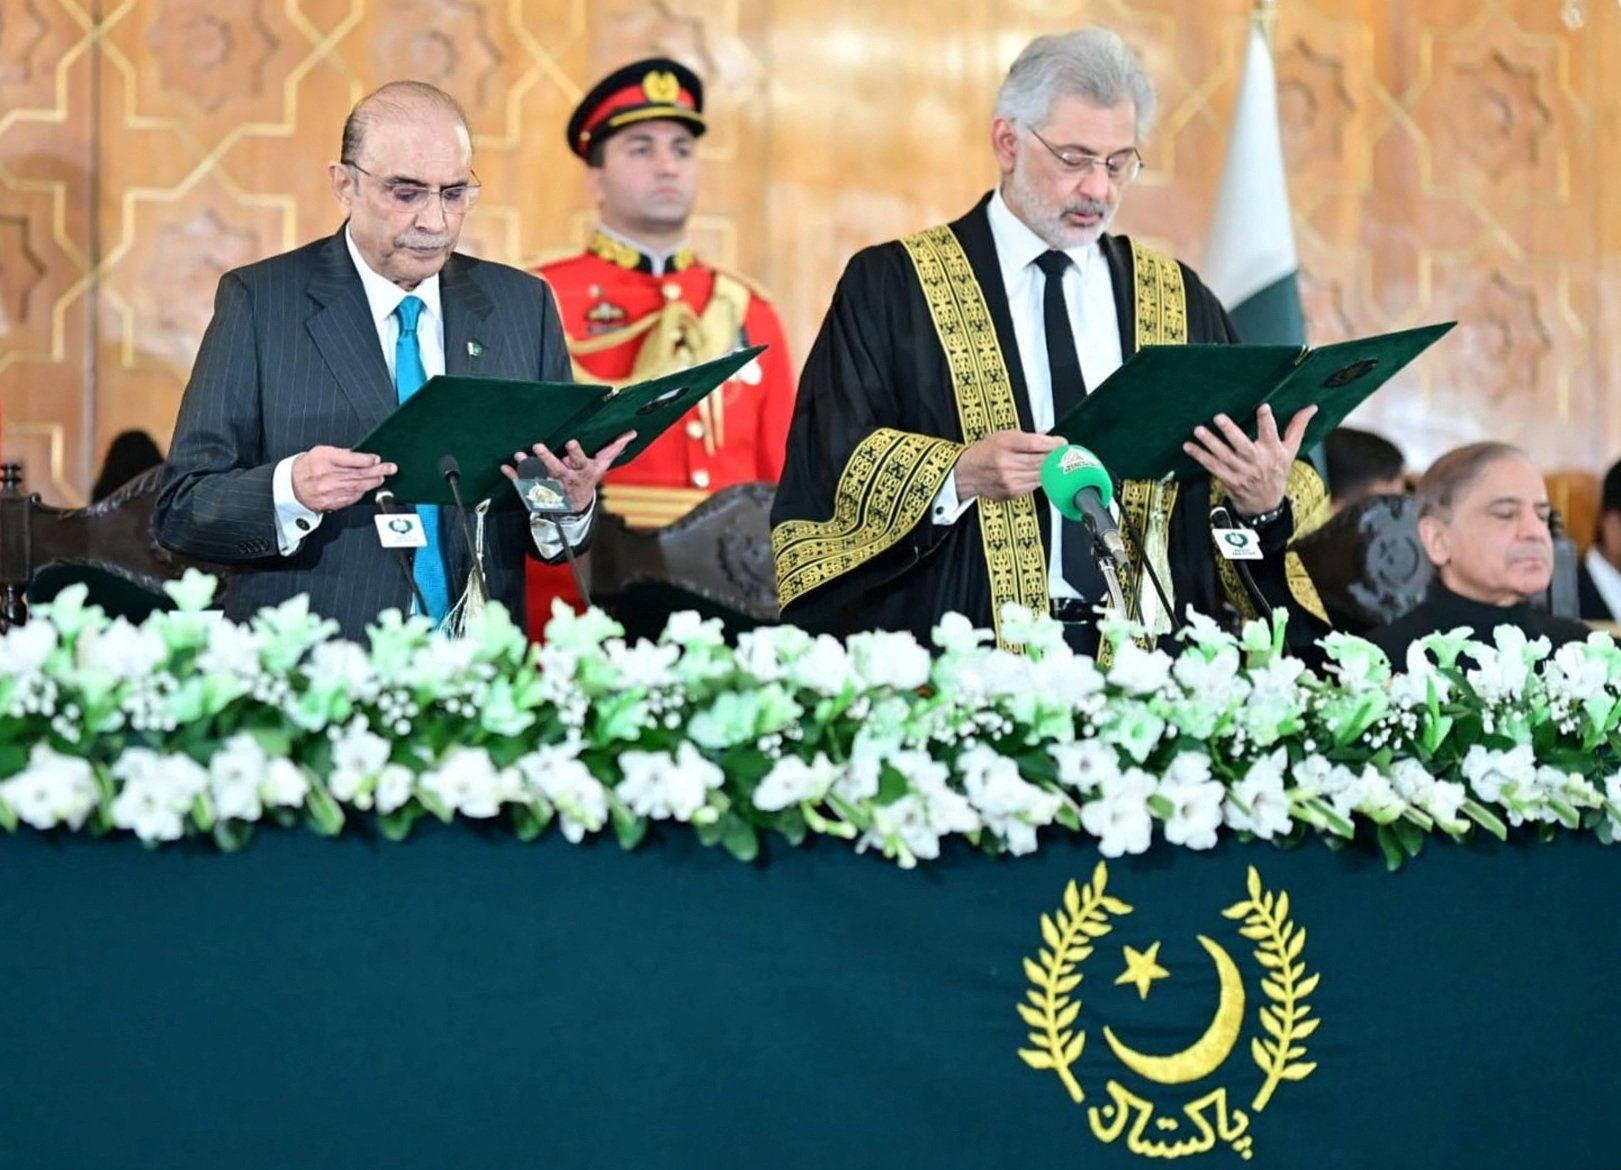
{"type": "Point", "coordinates": [545, 499]}
{"type": "Point", "coordinates": [451, 471]}
{"type": "Point", "coordinates": [384, 499]}
{"type": "Point", "coordinates": [1220, 517]}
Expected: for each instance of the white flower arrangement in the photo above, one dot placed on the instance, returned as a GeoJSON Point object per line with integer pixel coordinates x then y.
{"type": "Point", "coordinates": [190, 725]}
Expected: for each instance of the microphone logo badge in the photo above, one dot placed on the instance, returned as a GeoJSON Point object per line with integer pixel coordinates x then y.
{"type": "Point", "coordinates": [1075, 458]}
{"type": "Point", "coordinates": [543, 496]}
{"type": "Point", "coordinates": [401, 530]}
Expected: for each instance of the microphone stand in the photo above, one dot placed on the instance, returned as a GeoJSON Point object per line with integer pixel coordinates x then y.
{"type": "Point", "coordinates": [452, 473]}
{"type": "Point", "coordinates": [1148, 567]}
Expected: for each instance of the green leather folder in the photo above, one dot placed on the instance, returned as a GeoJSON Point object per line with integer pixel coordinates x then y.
{"type": "Point", "coordinates": [1137, 421]}
{"type": "Point", "coordinates": [483, 421]}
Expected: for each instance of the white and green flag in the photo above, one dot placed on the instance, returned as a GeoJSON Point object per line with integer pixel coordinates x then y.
{"type": "Point", "coordinates": [1251, 263]}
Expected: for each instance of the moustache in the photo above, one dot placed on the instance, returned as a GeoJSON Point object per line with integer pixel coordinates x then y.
{"type": "Point", "coordinates": [1087, 207]}
{"type": "Point", "coordinates": [423, 240]}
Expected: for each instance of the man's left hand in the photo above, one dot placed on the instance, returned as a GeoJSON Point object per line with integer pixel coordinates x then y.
{"type": "Point", "coordinates": [1255, 471]}
{"type": "Point", "coordinates": [578, 472]}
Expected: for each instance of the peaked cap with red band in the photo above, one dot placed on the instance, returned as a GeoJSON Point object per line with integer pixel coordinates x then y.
{"type": "Point", "coordinates": [642, 91]}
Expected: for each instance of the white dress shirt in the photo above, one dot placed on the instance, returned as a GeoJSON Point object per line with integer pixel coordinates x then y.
{"type": "Point", "coordinates": [1606, 579]}
{"type": "Point", "coordinates": [1089, 295]}
{"type": "Point", "coordinates": [293, 520]}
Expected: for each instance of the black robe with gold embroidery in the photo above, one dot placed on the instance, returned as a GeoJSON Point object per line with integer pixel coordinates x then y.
{"type": "Point", "coordinates": [878, 365]}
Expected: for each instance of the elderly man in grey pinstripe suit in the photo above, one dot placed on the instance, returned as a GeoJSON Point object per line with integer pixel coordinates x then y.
{"type": "Point", "coordinates": [307, 351]}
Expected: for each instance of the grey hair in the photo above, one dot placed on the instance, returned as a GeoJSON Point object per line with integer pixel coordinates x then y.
{"type": "Point", "coordinates": [1455, 473]}
{"type": "Point", "coordinates": [1090, 63]}
{"type": "Point", "coordinates": [396, 99]}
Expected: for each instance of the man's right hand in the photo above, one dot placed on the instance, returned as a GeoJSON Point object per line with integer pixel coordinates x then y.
{"type": "Point", "coordinates": [1003, 465]}
{"type": "Point", "coordinates": [328, 478]}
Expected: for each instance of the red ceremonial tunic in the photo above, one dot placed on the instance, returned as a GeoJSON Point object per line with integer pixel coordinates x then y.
{"type": "Point", "coordinates": [610, 289]}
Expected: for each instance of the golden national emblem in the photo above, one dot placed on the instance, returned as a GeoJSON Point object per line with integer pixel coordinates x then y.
{"type": "Point", "coordinates": [1212, 1110]}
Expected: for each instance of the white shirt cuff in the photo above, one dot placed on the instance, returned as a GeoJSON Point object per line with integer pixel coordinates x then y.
{"type": "Point", "coordinates": [293, 520]}
{"type": "Point", "coordinates": [947, 508]}
{"type": "Point", "coordinates": [544, 532]}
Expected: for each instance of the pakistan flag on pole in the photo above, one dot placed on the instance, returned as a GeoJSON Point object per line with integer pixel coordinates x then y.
{"type": "Point", "coordinates": [1251, 263]}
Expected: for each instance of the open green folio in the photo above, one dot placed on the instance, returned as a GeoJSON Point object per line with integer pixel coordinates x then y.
{"type": "Point", "coordinates": [483, 421]}
{"type": "Point", "coordinates": [1139, 418]}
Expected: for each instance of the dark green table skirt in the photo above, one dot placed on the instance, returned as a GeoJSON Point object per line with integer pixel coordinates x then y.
{"type": "Point", "coordinates": [464, 1000]}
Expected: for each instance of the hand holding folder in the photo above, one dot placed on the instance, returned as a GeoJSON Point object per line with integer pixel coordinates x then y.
{"type": "Point", "coordinates": [1142, 414]}
{"type": "Point", "coordinates": [482, 421]}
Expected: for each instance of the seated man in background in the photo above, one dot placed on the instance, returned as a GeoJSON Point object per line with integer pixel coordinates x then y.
{"type": "Point", "coordinates": [1483, 519]}
{"type": "Point", "coordinates": [1598, 577]}
{"type": "Point", "coordinates": [1361, 464]}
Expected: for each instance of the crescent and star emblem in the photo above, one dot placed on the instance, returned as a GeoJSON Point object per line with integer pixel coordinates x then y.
{"type": "Point", "coordinates": [1206, 1054]}
{"type": "Point", "coordinates": [1282, 1023]}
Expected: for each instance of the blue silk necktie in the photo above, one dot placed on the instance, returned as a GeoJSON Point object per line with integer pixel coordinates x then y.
{"type": "Point", "coordinates": [428, 566]}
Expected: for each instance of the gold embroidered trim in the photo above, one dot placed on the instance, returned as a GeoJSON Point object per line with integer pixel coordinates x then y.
{"type": "Point", "coordinates": [1010, 532]}
{"type": "Point", "coordinates": [1162, 298]}
{"type": "Point", "coordinates": [887, 486]}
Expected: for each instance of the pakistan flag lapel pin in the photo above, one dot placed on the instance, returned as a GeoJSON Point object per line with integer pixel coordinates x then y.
{"type": "Point", "coordinates": [475, 349]}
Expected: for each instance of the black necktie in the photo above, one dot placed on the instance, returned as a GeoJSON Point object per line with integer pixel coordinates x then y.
{"type": "Point", "coordinates": [1069, 387]}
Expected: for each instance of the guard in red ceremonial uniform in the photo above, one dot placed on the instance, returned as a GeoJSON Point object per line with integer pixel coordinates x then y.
{"type": "Point", "coordinates": [637, 303]}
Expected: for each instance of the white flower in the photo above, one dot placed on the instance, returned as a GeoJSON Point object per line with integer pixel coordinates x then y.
{"type": "Point", "coordinates": [394, 787]}
{"type": "Point", "coordinates": [358, 750]}
{"type": "Point", "coordinates": [232, 649]}
{"type": "Point", "coordinates": [955, 634]}
{"type": "Point", "coordinates": [467, 781]}
{"type": "Point", "coordinates": [1441, 799]}
{"type": "Point", "coordinates": [1010, 805]}
{"type": "Point", "coordinates": [557, 774]}
{"type": "Point", "coordinates": [1495, 775]}
{"type": "Point", "coordinates": [1140, 672]}
{"type": "Point", "coordinates": [764, 653]}
{"type": "Point", "coordinates": [52, 790]}
{"type": "Point", "coordinates": [662, 787]}
{"type": "Point", "coordinates": [1119, 818]}
{"type": "Point", "coordinates": [345, 667]}
{"type": "Point", "coordinates": [158, 790]}
{"type": "Point", "coordinates": [693, 634]}
{"type": "Point", "coordinates": [1257, 804]}
{"type": "Point", "coordinates": [125, 652]}
{"type": "Point", "coordinates": [285, 784]}
{"type": "Point", "coordinates": [1037, 632]}
{"type": "Point", "coordinates": [882, 659]}
{"type": "Point", "coordinates": [644, 666]}
{"type": "Point", "coordinates": [824, 667]}
{"type": "Point", "coordinates": [792, 781]}
{"type": "Point", "coordinates": [860, 779]}
{"type": "Point", "coordinates": [1195, 800]}
{"type": "Point", "coordinates": [1576, 675]}
{"type": "Point", "coordinates": [24, 649]}
{"type": "Point", "coordinates": [235, 773]}
{"type": "Point", "coordinates": [1085, 764]}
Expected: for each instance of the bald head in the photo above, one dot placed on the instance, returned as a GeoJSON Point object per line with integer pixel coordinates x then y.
{"type": "Point", "coordinates": [398, 101]}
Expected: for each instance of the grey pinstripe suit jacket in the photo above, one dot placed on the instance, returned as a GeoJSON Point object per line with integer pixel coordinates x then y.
{"type": "Point", "coordinates": [291, 360]}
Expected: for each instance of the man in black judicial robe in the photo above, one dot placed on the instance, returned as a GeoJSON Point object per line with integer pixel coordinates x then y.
{"type": "Point", "coordinates": [874, 525]}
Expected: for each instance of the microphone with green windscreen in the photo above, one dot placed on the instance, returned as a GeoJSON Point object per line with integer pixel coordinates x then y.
{"type": "Point", "coordinates": [1079, 487]}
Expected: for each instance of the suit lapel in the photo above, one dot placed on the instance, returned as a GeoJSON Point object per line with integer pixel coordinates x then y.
{"type": "Point", "coordinates": [974, 231]}
{"type": "Point", "coordinates": [466, 308]}
{"type": "Point", "coordinates": [343, 330]}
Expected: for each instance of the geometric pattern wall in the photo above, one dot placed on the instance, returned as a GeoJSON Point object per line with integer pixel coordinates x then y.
{"type": "Point", "coordinates": [1447, 159]}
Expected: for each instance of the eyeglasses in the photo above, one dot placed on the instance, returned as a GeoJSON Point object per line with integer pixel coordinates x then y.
{"type": "Point", "coordinates": [407, 196]}
{"type": "Point", "coordinates": [1122, 166]}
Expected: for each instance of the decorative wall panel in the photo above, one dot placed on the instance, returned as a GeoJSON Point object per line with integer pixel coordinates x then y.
{"type": "Point", "coordinates": [1448, 158]}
